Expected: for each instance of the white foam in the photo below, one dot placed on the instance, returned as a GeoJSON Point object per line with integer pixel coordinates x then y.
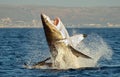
{"type": "Point", "coordinates": [95, 47]}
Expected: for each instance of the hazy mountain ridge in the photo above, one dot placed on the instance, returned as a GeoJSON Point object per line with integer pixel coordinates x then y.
{"type": "Point", "coordinates": [76, 16]}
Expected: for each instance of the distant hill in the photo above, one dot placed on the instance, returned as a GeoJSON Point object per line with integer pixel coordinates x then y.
{"type": "Point", "coordinates": [69, 15]}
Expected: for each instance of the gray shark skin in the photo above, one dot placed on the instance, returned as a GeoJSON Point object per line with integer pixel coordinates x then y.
{"type": "Point", "coordinates": [62, 48]}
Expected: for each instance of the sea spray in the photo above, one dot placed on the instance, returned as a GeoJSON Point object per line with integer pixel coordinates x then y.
{"type": "Point", "coordinates": [95, 47]}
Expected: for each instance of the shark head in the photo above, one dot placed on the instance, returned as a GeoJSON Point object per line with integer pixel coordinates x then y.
{"type": "Point", "coordinates": [54, 29]}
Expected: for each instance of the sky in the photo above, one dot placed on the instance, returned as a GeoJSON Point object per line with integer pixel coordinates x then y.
{"type": "Point", "coordinates": [63, 3]}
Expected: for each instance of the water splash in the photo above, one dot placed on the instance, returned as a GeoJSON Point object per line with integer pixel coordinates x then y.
{"type": "Point", "coordinates": [95, 47]}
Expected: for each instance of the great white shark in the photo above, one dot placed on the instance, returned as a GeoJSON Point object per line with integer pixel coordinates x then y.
{"type": "Point", "coordinates": [62, 47]}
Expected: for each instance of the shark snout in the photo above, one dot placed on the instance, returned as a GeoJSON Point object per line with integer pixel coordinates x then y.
{"type": "Point", "coordinates": [43, 16]}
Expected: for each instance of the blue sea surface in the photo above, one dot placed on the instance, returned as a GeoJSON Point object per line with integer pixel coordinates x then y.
{"type": "Point", "coordinates": [18, 46]}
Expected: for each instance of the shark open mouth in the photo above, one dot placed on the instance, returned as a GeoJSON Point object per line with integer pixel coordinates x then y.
{"type": "Point", "coordinates": [56, 21]}
{"type": "Point", "coordinates": [60, 27]}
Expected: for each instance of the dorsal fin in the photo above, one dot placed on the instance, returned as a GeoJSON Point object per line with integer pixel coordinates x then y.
{"type": "Point", "coordinates": [77, 53]}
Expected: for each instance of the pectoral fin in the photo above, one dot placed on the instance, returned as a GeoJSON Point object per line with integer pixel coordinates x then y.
{"type": "Point", "coordinates": [77, 53]}
{"type": "Point", "coordinates": [42, 62]}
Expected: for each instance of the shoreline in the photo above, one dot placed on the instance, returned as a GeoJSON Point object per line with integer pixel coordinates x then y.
{"type": "Point", "coordinates": [42, 27]}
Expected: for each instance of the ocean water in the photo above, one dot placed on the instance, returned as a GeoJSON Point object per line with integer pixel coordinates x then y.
{"type": "Point", "coordinates": [19, 46]}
